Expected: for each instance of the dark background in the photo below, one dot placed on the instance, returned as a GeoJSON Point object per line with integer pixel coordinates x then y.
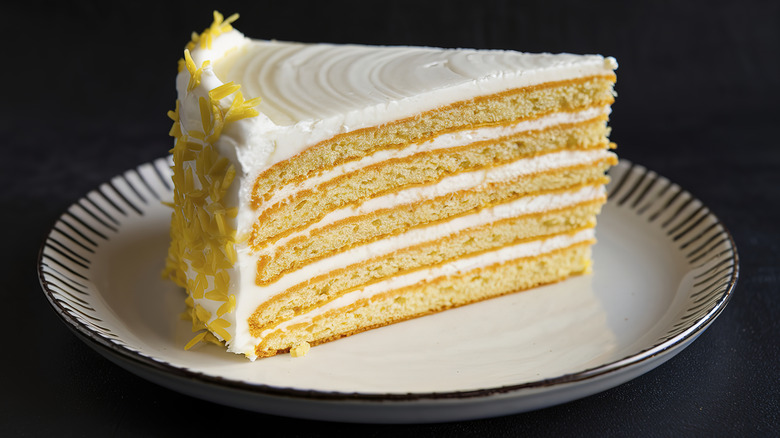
{"type": "Point", "coordinates": [85, 91]}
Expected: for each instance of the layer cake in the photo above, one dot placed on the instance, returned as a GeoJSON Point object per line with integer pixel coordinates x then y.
{"type": "Point", "coordinates": [322, 190]}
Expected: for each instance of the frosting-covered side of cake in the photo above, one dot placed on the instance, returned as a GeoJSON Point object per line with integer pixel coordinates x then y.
{"type": "Point", "coordinates": [247, 106]}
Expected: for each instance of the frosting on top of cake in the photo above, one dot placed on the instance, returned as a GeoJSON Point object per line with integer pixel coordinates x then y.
{"type": "Point", "coordinates": [310, 92]}
{"type": "Point", "coordinates": [307, 82]}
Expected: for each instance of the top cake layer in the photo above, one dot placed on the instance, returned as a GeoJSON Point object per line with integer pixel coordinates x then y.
{"type": "Point", "coordinates": [311, 92]}
{"type": "Point", "coordinates": [369, 85]}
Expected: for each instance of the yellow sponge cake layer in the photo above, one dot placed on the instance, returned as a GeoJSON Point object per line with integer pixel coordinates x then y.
{"type": "Point", "coordinates": [323, 190]}
{"type": "Point", "coordinates": [414, 298]}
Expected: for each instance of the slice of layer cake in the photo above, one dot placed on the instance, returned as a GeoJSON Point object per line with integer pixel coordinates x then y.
{"type": "Point", "coordinates": [371, 185]}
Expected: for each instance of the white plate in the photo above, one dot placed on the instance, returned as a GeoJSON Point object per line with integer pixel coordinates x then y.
{"type": "Point", "coordinates": [665, 267]}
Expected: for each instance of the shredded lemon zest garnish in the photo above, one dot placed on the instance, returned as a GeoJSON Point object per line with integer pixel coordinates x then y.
{"type": "Point", "coordinates": [195, 73]}
{"type": "Point", "coordinates": [197, 135]}
{"type": "Point", "coordinates": [189, 63]}
{"type": "Point", "coordinates": [218, 326]}
{"type": "Point", "coordinates": [228, 307]}
{"type": "Point", "coordinates": [241, 109]}
{"type": "Point", "coordinates": [205, 114]}
{"type": "Point", "coordinates": [224, 91]}
{"type": "Point", "coordinates": [202, 314]}
{"type": "Point", "coordinates": [218, 27]}
{"type": "Point", "coordinates": [174, 116]}
{"type": "Point", "coordinates": [205, 39]}
{"type": "Point", "coordinates": [203, 238]}
{"type": "Point", "coordinates": [195, 340]}
{"type": "Point", "coordinates": [218, 122]}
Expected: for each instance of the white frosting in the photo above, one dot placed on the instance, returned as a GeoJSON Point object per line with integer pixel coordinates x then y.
{"type": "Point", "coordinates": [353, 83]}
{"type": "Point", "coordinates": [311, 92]}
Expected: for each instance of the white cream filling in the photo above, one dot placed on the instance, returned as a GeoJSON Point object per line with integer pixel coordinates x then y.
{"type": "Point", "coordinates": [527, 249]}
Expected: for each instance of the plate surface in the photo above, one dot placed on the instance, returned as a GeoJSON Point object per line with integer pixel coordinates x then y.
{"type": "Point", "coordinates": [664, 269]}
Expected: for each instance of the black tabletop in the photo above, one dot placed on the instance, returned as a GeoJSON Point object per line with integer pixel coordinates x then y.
{"type": "Point", "coordinates": [86, 88]}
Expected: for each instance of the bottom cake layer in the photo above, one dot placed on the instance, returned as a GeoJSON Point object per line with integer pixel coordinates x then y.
{"type": "Point", "coordinates": [423, 292]}
{"type": "Point", "coordinates": [318, 290]}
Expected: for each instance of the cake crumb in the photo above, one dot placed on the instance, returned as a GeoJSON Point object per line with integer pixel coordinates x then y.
{"type": "Point", "coordinates": [300, 350]}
